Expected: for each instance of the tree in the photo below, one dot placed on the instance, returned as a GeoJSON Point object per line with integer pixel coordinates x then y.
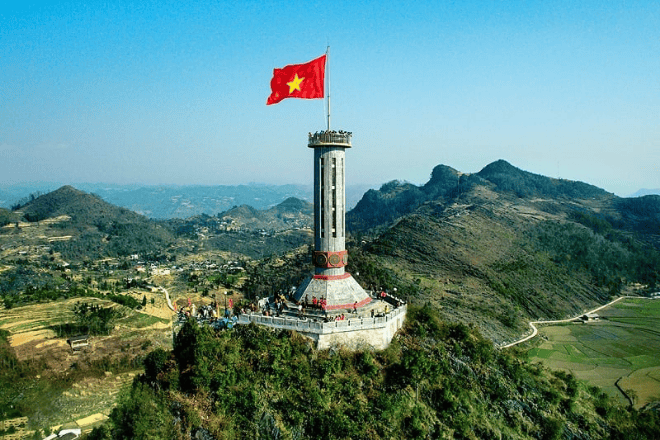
{"type": "Point", "coordinates": [94, 319]}
{"type": "Point", "coordinates": [8, 301]}
{"type": "Point", "coordinates": [154, 364]}
{"type": "Point", "coordinates": [141, 413]}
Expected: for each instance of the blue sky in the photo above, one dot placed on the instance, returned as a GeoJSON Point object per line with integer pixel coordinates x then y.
{"type": "Point", "coordinates": [174, 92]}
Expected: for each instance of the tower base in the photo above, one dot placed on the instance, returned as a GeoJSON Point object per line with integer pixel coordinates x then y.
{"type": "Point", "coordinates": [340, 292]}
{"type": "Point", "coordinates": [354, 333]}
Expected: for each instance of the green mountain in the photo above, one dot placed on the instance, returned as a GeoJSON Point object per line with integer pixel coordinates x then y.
{"type": "Point", "coordinates": [503, 246]}
{"type": "Point", "coordinates": [508, 178]}
{"type": "Point", "coordinates": [446, 185]}
{"type": "Point", "coordinates": [96, 228]}
{"type": "Point", "coordinates": [84, 209]}
{"type": "Point", "coordinates": [291, 213]}
{"type": "Point", "coordinates": [247, 231]}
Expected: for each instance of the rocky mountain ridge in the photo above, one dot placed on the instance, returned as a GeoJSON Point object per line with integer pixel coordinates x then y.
{"type": "Point", "coordinates": [503, 246]}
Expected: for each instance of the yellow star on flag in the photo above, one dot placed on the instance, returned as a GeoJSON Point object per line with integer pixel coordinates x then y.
{"type": "Point", "coordinates": [294, 84]}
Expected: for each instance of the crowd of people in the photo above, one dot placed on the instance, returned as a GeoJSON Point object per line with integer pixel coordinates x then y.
{"type": "Point", "coordinates": [278, 305]}
{"type": "Point", "coordinates": [207, 314]}
{"type": "Point", "coordinates": [276, 308]}
{"type": "Point", "coordinates": [204, 312]}
{"type": "Point", "coordinates": [330, 135]}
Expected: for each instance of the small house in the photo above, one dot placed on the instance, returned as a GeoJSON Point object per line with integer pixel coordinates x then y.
{"type": "Point", "coordinates": [589, 317]}
{"type": "Point", "coordinates": [78, 342]}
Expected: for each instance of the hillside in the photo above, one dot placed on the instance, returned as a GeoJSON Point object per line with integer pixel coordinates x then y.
{"type": "Point", "coordinates": [246, 231]}
{"type": "Point", "coordinates": [436, 380]}
{"type": "Point", "coordinates": [90, 227]}
{"type": "Point", "coordinates": [67, 228]}
{"type": "Point", "coordinates": [291, 213]}
{"type": "Point", "coordinates": [394, 199]}
{"type": "Point", "coordinates": [7, 217]}
{"type": "Point", "coordinates": [84, 209]}
{"type": "Point", "coordinates": [508, 178]}
{"type": "Point", "coordinates": [503, 246]}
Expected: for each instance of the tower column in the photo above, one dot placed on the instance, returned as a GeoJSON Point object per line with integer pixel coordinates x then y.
{"type": "Point", "coordinates": [330, 280]}
{"type": "Point", "coordinates": [329, 206]}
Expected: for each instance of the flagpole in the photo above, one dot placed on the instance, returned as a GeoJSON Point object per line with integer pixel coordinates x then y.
{"type": "Point", "coordinates": [327, 79]}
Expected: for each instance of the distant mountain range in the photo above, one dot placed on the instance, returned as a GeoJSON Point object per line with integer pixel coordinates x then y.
{"type": "Point", "coordinates": [182, 201]}
{"type": "Point", "coordinates": [646, 192]}
{"type": "Point", "coordinates": [493, 248]}
{"type": "Point", "coordinates": [171, 201]}
{"type": "Point", "coordinates": [91, 228]}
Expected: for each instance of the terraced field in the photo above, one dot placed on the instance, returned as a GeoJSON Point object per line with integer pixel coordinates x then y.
{"type": "Point", "coordinates": [619, 353]}
{"type": "Point", "coordinates": [79, 389]}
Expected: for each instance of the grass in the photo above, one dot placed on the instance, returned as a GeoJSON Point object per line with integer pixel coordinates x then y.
{"type": "Point", "coordinates": [141, 320]}
{"type": "Point", "coordinates": [624, 344]}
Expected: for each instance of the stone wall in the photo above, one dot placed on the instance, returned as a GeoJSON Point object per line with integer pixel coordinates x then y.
{"type": "Point", "coordinates": [351, 333]}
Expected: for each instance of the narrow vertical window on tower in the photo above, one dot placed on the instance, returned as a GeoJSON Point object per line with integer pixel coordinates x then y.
{"type": "Point", "coordinates": [334, 197]}
{"type": "Point", "coordinates": [342, 219]}
{"type": "Point", "coordinates": [322, 191]}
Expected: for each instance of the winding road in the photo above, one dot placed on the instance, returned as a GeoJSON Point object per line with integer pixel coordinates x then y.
{"type": "Point", "coordinates": [559, 321]}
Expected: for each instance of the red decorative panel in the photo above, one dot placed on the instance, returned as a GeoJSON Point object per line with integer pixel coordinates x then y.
{"type": "Point", "coordinates": [332, 277]}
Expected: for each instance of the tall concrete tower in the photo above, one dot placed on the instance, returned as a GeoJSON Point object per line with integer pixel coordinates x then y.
{"type": "Point", "coordinates": [330, 280]}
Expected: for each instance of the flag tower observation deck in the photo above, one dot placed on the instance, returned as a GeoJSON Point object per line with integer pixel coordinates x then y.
{"type": "Point", "coordinates": [331, 281]}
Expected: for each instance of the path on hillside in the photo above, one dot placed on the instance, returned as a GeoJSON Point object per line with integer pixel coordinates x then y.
{"type": "Point", "coordinates": [167, 295]}
{"type": "Point", "coordinates": [560, 321]}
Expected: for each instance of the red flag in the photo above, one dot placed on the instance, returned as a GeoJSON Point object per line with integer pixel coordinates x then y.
{"type": "Point", "coordinates": [298, 81]}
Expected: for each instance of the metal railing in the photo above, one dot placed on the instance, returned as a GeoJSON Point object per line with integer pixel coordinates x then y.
{"type": "Point", "coordinates": [330, 137]}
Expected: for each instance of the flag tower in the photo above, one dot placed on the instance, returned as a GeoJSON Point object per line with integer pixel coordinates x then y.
{"type": "Point", "coordinates": [331, 284]}
{"type": "Point", "coordinates": [330, 281]}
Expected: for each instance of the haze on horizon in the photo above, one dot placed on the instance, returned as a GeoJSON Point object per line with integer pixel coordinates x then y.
{"type": "Point", "coordinates": [174, 93]}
